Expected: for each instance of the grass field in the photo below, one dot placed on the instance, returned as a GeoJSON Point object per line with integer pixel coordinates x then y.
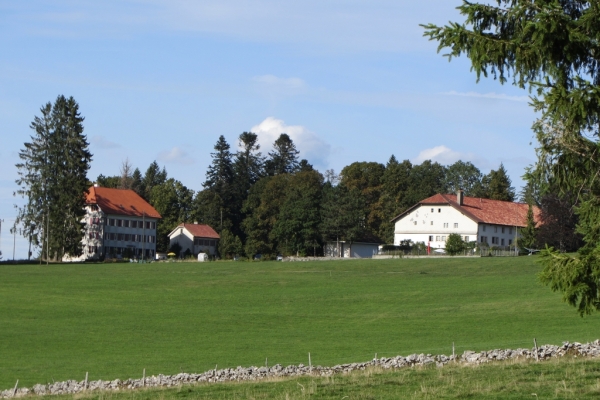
{"type": "Point", "coordinates": [114, 320]}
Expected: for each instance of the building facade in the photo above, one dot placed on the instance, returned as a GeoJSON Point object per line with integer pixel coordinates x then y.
{"type": "Point", "coordinates": [195, 238]}
{"type": "Point", "coordinates": [492, 222]}
{"type": "Point", "coordinates": [118, 224]}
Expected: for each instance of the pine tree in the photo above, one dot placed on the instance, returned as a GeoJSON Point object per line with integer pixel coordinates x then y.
{"type": "Point", "coordinates": [53, 178]}
{"type": "Point", "coordinates": [499, 186]}
{"type": "Point", "coordinates": [284, 157]}
{"type": "Point", "coordinates": [219, 177]}
{"type": "Point", "coordinates": [528, 238]}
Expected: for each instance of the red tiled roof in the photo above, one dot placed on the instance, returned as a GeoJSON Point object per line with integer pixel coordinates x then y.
{"type": "Point", "coordinates": [485, 210]}
{"type": "Point", "coordinates": [120, 202]}
{"type": "Point", "coordinates": [202, 231]}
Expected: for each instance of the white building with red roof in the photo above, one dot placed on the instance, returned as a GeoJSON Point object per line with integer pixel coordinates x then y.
{"type": "Point", "coordinates": [118, 223]}
{"type": "Point", "coordinates": [197, 238]}
{"type": "Point", "coordinates": [430, 221]}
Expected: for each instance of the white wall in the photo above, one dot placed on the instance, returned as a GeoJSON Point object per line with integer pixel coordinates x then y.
{"type": "Point", "coordinates": [434, 221]}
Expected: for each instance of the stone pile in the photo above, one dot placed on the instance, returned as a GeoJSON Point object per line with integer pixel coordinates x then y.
{"type": "Point", "coordinates": [257, 373]}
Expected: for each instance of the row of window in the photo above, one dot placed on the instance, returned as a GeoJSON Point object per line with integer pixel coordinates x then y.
{"type": "Point", "coordinates": [502, 229]}
{"type": "Point", "coordinates": [126, 237]}
{"type": "Point", "coordinates": [125, 223]}
{"type": "Point", "coordinates": [446, 224]}
{"type": "Point", "coordinates": [443, 238]}
{"type": "Point", "coordinates": [496, 240]}
{"type": "Point", "coordinates": [204, 242]}
{"type": "Point", "coordinates": [113, 251]}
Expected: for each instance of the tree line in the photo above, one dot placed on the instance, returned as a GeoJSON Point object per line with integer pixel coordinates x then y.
{"type": "Point", "coordinates": [280, 204]}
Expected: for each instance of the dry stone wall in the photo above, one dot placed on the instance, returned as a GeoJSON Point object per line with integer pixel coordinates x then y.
{"type": "Point", "coordinates": [257, 373]}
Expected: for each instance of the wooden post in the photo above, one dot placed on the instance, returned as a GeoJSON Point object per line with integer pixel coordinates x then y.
{"type": "Point", "coordinates": [453, 353]}
{"type": "Point", "coordinates": [15, 389]}
{"type": "Point", "coordinates": [267, 362]}
{"type": "Point", "coordinates": [309, 363]}
{"type": "Point", "coordinates": [144, 378]}
{"type": "Point", "coordinates": [85, 384]}
{"type": "Point", "coordinates": [536, 350]}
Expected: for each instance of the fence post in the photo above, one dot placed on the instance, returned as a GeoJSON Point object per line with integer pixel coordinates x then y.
{"type": "Point", "coordinates": [15, 389]}
{"type": "Point", "coordinates": [86, 379]}
{"type": "Point", "coordinates": [309, 363]}
{"type": "Point", "coordinates": [453, 354]}
{"type": "Point", "coordinates": [536, 349]}
{"type": "Point", "coordinates": [144, 378]}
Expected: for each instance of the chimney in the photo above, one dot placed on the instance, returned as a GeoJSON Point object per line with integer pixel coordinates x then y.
{"type": "Point", "coordinates": [460, 196]}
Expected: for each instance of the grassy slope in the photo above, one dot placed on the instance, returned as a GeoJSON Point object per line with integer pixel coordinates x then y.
{"type": "Point", "coordinates": [114, 320]}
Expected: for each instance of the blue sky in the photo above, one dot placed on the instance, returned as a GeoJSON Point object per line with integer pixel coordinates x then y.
{"type": "Point", "coordinates": [163, 79]}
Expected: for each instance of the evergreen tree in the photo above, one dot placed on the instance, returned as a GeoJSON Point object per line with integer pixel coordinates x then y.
{"type": "Point", "coordinates": [219, 179]}
{"type": "Point", "coordinates": [284, 157]}
{"type": "Point", "coordinates": [53, 178]}
{"type": "Point", "coordinates": [247, 170]}
{"type": "Point", "coordinates": [499, 186]}
{"type": "Point", "coordinates": [528, 234]}
{"type": "Point", "coordinates": [343, 214]}
{"type": "Point", "coordinates": [154, 176]}
{"type": "Point", "coordinates": [558, 222]}
{"type": "Point", "coordinates": [550, 47]}
{"type": "Point", "coordinates": [229, 245]}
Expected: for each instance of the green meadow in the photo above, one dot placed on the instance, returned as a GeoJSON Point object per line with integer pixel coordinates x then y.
{"type": "Point", "coordinates": [114, 320]}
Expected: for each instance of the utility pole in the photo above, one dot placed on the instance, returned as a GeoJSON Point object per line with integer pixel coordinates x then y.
{"type": "Point", "coordinates": [143, 236]}
{"type": "Point", "coordinates": [1, 221]}
{"type": "Point", "coordinates": [14, 239]}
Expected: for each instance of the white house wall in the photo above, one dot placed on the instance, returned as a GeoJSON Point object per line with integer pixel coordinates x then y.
{"type": "Point", "coordinates": [497, 235]}
{"type": "Point", "coordinates": [432, 224]}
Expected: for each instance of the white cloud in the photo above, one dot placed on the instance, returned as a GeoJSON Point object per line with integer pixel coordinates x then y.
{"type": "Point", "coordinates": [175, 156]}
{"type": "Point", "coordinates": [441, 154]}
{"type": "Point", "coordinates": [103, 143]}
{"type": "Point", "coordinates": [311, 147]}
{"type": "Point", "coordinates": [492, 95]}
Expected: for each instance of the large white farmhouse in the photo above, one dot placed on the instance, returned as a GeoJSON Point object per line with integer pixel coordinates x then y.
{"type": "Point", "coordinates": [118, 223]}
{"type": "Point", "coordinates": [430, 221]}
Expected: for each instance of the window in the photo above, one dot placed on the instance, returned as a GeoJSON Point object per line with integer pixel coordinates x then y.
{"type": "Point", "coordinates": [431, 238]}
{"type": "Point", "coordinates": [432, 210]}
{"type": "Point", "coordinates": [443, 238]}
{"type": "Point", "coordinates": [120, 236]}
{"type": "Point", "coordinates": [431, 222]}
{"type": "Point", "coordinates": [466, 238]}
{"type": "Point", "coordinates": [445, 224]}
{"type": "Point", "coordinates": [456, 224]}
{"type": "Point", "coordinates": [127, 237]}
{"type": "Point", "coordinates": [495, 229]}
{"type": "Point", "coordinates": [509, 242]}
{"type": "Point", "coordinates": [439, 210]}
{"type": "Point", "coordinates": [154, 225]}
{"type": "Point", "coordinates": [510, 230]}
{"type": "Point", "coordinates": [134, 224]}
{"type": "Point", "coordinates": [484, 228]}
{"type": "Point", "coordinates": [484, 239]}
{"type": "Point", "coordinates": [126, 223]}
{"type": "Point", "coordinates": [119, 222]}
{"type": "Point", "coordinates": [111, 221]}
{"type": "Point", "coordinates": [502, 229]}
{"type": "Point", "coordinates": [494, 239]}
{"type": "Point", "coordinates": [415, 222]}
{"type": "Point", "coordinates": [437, 238]}
{"type": "Point", "coordinates": [502, 242]}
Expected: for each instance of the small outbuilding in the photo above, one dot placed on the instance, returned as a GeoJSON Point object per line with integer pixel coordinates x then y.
{"type": "Point", "coordinates": [346, 249]}
{"type": "Point", "coordinates": [195, 238]}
